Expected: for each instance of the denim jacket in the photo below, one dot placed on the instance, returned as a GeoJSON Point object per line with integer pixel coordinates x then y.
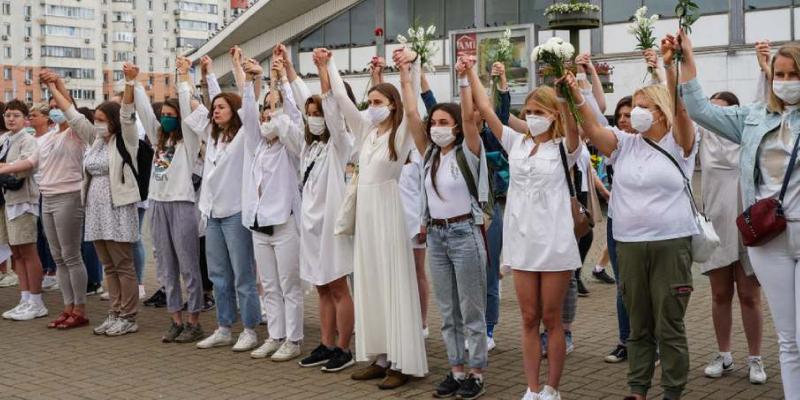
{"type": "Point", "coordinates": [746, 125]}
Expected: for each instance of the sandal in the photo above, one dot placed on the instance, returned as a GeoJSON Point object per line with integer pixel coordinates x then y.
{"type": "Point", "coordinates": [74, 321]}
{"type": "Point", "coordinates": [58, 321]}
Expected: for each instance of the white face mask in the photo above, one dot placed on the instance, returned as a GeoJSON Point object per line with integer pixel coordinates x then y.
{"type": "Point", "coordinates": [787, 91]}
{"type": "Point", "coordinates": [269, 130]}
{"type": "Point", "coordinates": [316, 125]}
{"type": "Point", "coordinates": [378, 114]}
{"type": "Point", "coordinates": [101, 129]}
{"type": "Point", "coordinates": [442, 135]}
{"type": "Point", "coordinates": [538, 125]}
{"type": "Point", "coordinates": [641, 119]}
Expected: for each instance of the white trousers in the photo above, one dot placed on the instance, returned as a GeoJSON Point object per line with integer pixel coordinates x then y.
{"type": "Point", "coordinates": [278, 261]}
{"type": "Point", "coordinates": [777, 267]}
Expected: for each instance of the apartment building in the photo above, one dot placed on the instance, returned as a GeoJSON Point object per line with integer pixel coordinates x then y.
{"type": "Point", "coordinates": [87, 41]}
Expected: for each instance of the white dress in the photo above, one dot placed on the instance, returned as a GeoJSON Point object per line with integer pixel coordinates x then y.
{"type": "Point", "coordinates": [410, 193]}
{"type": "Point", "coordinates": [388, 319]}
{"type": "Point", "coordinates": [538, 228]}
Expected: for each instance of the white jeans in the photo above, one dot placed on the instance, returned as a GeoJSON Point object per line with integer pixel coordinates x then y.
{"type": "Point", "coordinates": [278, 261]}
{"type": "Point", "coordinates": [777, 267]}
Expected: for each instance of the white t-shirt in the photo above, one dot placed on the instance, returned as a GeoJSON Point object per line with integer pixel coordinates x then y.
{"type": "Point", "coordinates": [453, 198]}
{"type": "Point", "coordinates": [650, 201]}
{"type": "Point", "coordinates": [584, 164]}
{"type": "Point", "coordinates": [773, 160]}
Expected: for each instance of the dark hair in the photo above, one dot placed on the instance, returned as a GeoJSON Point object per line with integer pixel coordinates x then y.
{"type": "Point", "coordinates": [310, 137]}
{"type": "Point", "coordinates": [87, 112]}
{"type": "Point", "coordinates": [157, 108]}
{"type": "Point", "coordinates": [454, 110]}
{"type": "Point", "coordinates": [111, 110]}
{"type": "Point", "coordinates": [727, 97]}
{"type": "Point", "coordinates": [17, 106]}
{"type": "Point", "coordinates": [2, 120]}
{"type": "Point", "coordinates": [226, 134]}
{"type": "Point", "coordinates": [626, 101]}
{"type": "Point", "coordinates": [266, 99]}
{"type": "Point", "coordinates": [391, 93]}
{"type": "Point", "coordinates": [176, 135]}
{"type": "Point", "coordinates": [350, 94]}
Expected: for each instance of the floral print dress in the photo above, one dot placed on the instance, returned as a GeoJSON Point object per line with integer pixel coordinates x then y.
{"type": "Point", "coordinates": [103, 220]}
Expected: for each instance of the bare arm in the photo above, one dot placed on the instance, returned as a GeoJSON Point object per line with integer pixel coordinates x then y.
{"type": "Point", "coordinates": [237, 59]}
{"type": "Point", "coordinates": [376, 70]}
{"type": "Point", "coordinates": [410, 106]}
{"type": "Point", "coordinates": [601, 137]}
{"type": "Point", "coordinates": [471, 135]}
{"type": "Point", "coordinates": [484, 105]}
{"type": "Point", "coordinates": [683, 127]}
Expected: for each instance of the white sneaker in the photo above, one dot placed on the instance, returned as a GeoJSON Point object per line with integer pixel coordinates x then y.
{"type": "Point", "coordinates": [716, 367]}
{"type": "Point", "coordinates": [122, 326]}
{"type": "Point", "coordinates": [49, 282]}
{"type": "Point", "coordinates": [105, 296]}
{"type": "Point", "coordinates": [425, 332]}
{"type": "Point", "coordinates": [8, 314]}
{"type": "Point", "coordinates": [248, 340]}
{"type": "Point", "coordinates": [142, 293]}
{"type": "Point", "coordinates": [287, 352]}
{"type": "Point", "coordinates": [9, 280]}
{"type": "Point", "coordinates": [548, 393]}
{"type": "Point", "coordinates": [270, 346]}
{"type": "Point", "coordinates": [217, 339]}
{"type": "Point", "coordinates": [106, 325]}
{"type": "Point", "coordinates": [32, 311]}
{"type": "Point", "coordinates": [758, 376]}
{"type": "Point", "coordinates": [530, 395]}
{"type": "Point", "coordinates": [490, 344]}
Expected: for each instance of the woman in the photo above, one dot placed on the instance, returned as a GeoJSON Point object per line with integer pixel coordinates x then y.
{"type": "Point", "coordinates": [42, 124]}
{"type": "Point", "coordinates": [766, 133]}
{"type": "Point", "coordinates": [538, 240]}
{"type": "Point", "coordinates": [388, 319]}
{"type": "Point", "coordinates": [455, 242]}
{"type": "Point", "coordinates": [229, 245]}
{"type": "Point", "coordinates": [18, 152]}
{"type": "Point", "coordinates": [271, 210]}
{"type": "Point", "coordinates": [653, 226]}
{"type": "Point", "coordinates": [111, 193]}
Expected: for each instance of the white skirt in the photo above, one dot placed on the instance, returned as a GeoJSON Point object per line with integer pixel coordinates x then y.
{"type": "Point", "coordinates": [719, 187]}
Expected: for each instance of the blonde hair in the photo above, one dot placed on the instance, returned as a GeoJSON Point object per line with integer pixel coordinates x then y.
{"type": "Point", "coordinates": [774, 104]}
{"type": "Point", "coordinates": [659, 95]}
{"type": "Point", "coordinates": [545, 97]}
{"type": "Point", "coordinates": [42, 108]}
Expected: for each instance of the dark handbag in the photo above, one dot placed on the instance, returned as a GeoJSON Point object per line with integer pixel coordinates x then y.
{"type": "Point", "coordinates": [764, 220]}
{"type": "Point", "coordinates": [581, 218]}
{"type": "Point", "coordinates": [10, 182]}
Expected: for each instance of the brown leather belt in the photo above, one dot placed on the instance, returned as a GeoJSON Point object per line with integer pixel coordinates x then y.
{"type": "Point", "coordinates": [448, 221]}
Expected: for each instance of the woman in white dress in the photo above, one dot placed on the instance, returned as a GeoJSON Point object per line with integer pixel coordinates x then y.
{"type": "Point", "coordinates": [387, 310]}
{"type": "Point", "coordinates": [538, 239]}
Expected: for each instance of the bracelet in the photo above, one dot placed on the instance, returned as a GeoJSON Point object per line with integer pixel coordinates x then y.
{"type": "Point", "coordinates": [581, 76]}
{"type": "Point", "coordinates": [582, 102]}
{"type": "Point", "coordinates": [463, 82]}
{"type": "Point", "coordinates": [670, 65]}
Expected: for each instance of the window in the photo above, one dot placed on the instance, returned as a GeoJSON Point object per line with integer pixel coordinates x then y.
{"type": "Point", "coordinates": [166, 81]}
{"type": "Point", "coordinates": [123, 56]}
{"type": "Point", "coordinates": [68, 52]}
{"type": "Point", "coordinates": [192, 25]}
{"type": "Point", "coordinates": [458, 14]}
{"type": "Point", "coordinates": [81, 94]}
{"type": "Point", "coordinates": [121, 16]}
{"type": "Point", "coordinates": [149, 24]}
{"type": "Point", "coordinates": [6, 8]}
{"type": "Point", "coordinates": [662, 8]}
{"type": "Point", "coordinates": [310, 42]}
{"type": "Point", "coordinates": [7, 51]}
{"type": "Point", "coordinates": [125, 37]}
{"type": "Point", "coordinates": [28, 96]}
{"type": "Point", "coordinates": [28, 52]}
{"type": "Point", "coordinates": [166, 25]}
{"type": "Point", "coordinates": [532, 11]}
{"type": "Point", "coordinates": [166, 62]}
{"type": "Point", "coordinates": [7, 73]}
{"type": "Point", "coordinates": [362, 23]}
{"type": "Point", "coordinates": [337, 32]}
{"type": "Point", "coordinates": [502, 12]}
{"type": "Point", "coordinates": [750, 5]}
{"type": "Point", "coordinates": [69, 12]}
{"type": "Point", "coordinates": [430, 12]}
{"type": "Point", "coordinates": [197, 7]}
{"type": "Point", "coordinates": [150, 80]}
{"type": "Point", "coordinates": [615, 11]}
{"type": "Point", "coordinates": [398, 18]}
{"type": "Point", "coordinates": [7, 29]}
{"type": "Point", "coordinates": [149, 4]}
{"type": "Point", "coordinates": [74, 73]}
{"type": "Point", "coordinates": [9, 95]}
{"type": "Point", "coordinates": [28, 31]}
{"type": "Point", "coordinates": [186, 42]}
{"type": "Point", "coordinates": [620, 11]}
{"type": "Point", "coordinates": [26, 11]}
{"type": "Point", "coordinates": [28, 74]}
{"type": "Point", "coordinates": [66, 31]}
{"type": "Point", "coordinates": [118, 76]}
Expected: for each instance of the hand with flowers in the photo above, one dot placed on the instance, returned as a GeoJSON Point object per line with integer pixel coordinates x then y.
{"type": "Point", "coordinates": [554, 54]}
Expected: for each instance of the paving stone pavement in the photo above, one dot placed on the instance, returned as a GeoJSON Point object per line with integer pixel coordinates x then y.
{"type": "Point", "coordinates": [38, 363]}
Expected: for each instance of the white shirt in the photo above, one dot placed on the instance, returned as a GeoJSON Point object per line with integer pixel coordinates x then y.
{"type": "Point", "coordinates": [453, 198]}
{"type": "Point", "coordinates": [773, 160]}
{"type": "Point", "coordinates": [411, 192]}
{"type": "Point", "coordinates": [584, 164]}
{"type": "Point", "coordinates": [650, 201]}
{"type": "Point", "coordinates": [15, 211]}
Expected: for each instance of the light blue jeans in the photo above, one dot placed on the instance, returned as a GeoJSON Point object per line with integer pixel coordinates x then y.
{"type": "Point", "coordinates": [457, 260]}
{"type": "Point", "coordinates": [138, 250]}
{"type": "Point", "coordinates": [229, 251]}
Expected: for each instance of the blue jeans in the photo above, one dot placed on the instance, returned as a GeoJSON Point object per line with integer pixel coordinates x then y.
{"type": "Point", "coordinates": [94, 269]}
{"type": "Point", "coordinates": [42, 247]}
{"type": "Point", "coordinates": [229, 250]}
{"type": "Point", "coordinates": [622, 315]}
{"type": "Point", "coordinates": [138, 250]}
{"type": "Point", "coordinates": [457, 261]}
{"type": "Point", "coordinates": [494, 239]}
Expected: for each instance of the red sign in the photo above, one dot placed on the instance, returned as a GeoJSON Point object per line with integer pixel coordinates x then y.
{"type": "Point", "coordinates": [238, 4]}
{"type": "Point", "coordinates": [466, 45]}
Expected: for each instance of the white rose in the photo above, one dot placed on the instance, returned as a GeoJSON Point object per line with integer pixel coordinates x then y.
{"type": "Point", "coordinates": [654, 18]}
{"type": "Point", "coordinates": [431, 30]}
{"type": "Point", "coordinates": [412, 33]}
{"type": "Point", "coordinates": [566, 51]}
{"type": "Point", "coordinates": [632, 28]}
{"type": "Point", "coordinates": [535, 54]}
{"type": "Point", "coordinates": [402, 39]}
{"type": "Point", "coordinates": [420, 32]}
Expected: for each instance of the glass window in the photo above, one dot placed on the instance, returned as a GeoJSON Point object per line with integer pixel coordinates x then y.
{"type": "Point", "coordinates": [662, 8]}
{"type": "Point", "coordinates": [312, 41]}
{"type": "Point", "coordinates": [337, 31]}
{"type": "Point", "coordinates": [533, 11]}
{"type": "Point", "coordinates": [362, 23]}
{"type": "Point", "coordinates": [398, 18]}
{"type": "Point", "coordinates": [713, 6]}
{"type": "Point", "coordinates": [7, 73]}
{"type": "Point", "coordinates": [502, 12]}
{"type": "Point", "coordinates": [430, 12]}
{"type": "Point", "coordinates": [762, 4]}
{"type": "Point", "coordinates": [619, 10]}
{"type": "Point", "coordinates": [458, 14]}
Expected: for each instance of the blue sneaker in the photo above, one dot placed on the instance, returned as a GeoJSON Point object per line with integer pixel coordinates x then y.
{"type": "Point", "coordinates": [543, 340]}
{"type": "Point", "coordinates": [570, 343]}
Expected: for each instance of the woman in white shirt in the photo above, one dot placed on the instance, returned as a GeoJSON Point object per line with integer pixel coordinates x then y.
{"type": "Point", "coordinates": [538, 238]}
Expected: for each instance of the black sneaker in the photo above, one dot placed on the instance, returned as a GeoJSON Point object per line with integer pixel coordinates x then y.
{"type": "Point", "coordinates": [602, 276]}
{"type": "Point", "coordinates": [339, 360]}
{"type": "Point", "coordinates": [94, 288]}
{"type": "Point", "coordinates": [448, 387]}
{"type": "Point", "coordinates": [582, 290]}
{"type": "Point", "coordinates": [173, 332]}
{"type": "Point", "coordinates": [191, 333]}
{"type": "Point", "coordinates": [472, 388]}
{"type": "Point", "coordinates": [158, 297]}
{"type": "Point", "coordinates": [208, 302]}
{"type": "Point", "coordinates": [320, 356]}
{"type": "Point", "coordinates": [619, 355]}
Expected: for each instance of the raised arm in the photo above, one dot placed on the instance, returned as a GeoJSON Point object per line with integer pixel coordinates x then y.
{"type": "Point", "coordinates": [352, 116]}
{"type": "Point", "coordinates": [141, 102]}
{"type": "Point", "coordinates": [764, 55]}
{"type": "Point", "coordinates": [503, 109]}
{"type": "Point", "coordinates": [597, 86]}
{"type": "Point", "coordinates": [127, 119]}
{"type": "Point", "coordinates": [601, 137]}
{"type": "Point", "coordinates": [651, 59]}
{"type": "Point", "coordinates": [472, 136]}
{"type": "Point", "coordinates": [237, 59]}
{"type": "Point", "coordinates": [187, 108]}
{"type": "Point", "coordinates": [376, 67]}
{"type": "Point", "coordinates": [334, 120]}
{"type": "Point", "coordinates": [205, 68]}
{"type": "Point", "coordinates": [77, 121]}
{"type": "Point", "coordinates": [482, 103]}
{"type": "Point", "coordinates": [682, 125]}
{"type": "Point", "coordinates": [410, 92]}
{"type": "Point", "coordinates": [289, 106]}
{"type": "Point", "coordinates": [571, 140]}
{"type": "Point", "coordinates": [428, 98]}
{"type": "Point", "coordinates": [249, 111]}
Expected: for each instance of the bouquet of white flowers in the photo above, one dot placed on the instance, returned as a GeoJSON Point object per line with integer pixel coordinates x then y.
{"type": "Point", "coordinates": [642, 29]}
{"type": "Point", "coordinates": [422, 42]}
{"type": "Point", "coordinates": [504, 53]}
{"type": "Point", "coordinates": [555, 53]}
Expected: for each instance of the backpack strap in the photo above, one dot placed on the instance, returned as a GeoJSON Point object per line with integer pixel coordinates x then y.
{"type": "Point", "coordinates": [461, 160]}
{"type": "Point", "coordinates": [126, 157]}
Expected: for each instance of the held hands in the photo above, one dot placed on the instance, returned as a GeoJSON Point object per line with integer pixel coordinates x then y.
{"type": "Point", "coordinates": [584, 62]}
{"type": "Point", "coordinates": [182, 64]}
{"type": "Point", "coordinates": [764, 55]}
{"type": "Point", "coordinates": [236, 55]}
{"type": "Point", "coordinates": [252, 69]}
{"type": "Point", "coordinates": [278, 68]}
{"type": "Point", "coordinates": [403, 56]}
{"type": "Point", "coordinates": [377, 65]}
{"type": "Point", "coordinates": [131, 71]}
{"type": "Point", "coordinates": [572, 84]}
{"type": "Point", "coordinates": [651, 57]}
{"type": "Point", "coordinates": [205, 65]}
{"type": "Point", "coordinates": [48, 77]}
{"type": "Point", "coordinates": [321, 56]}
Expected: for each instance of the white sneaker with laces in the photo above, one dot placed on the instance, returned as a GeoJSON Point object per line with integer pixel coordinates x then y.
{"type": "Point", "coordinates": [122, 326]}
{"type": "Point", "coordinates": [758, 376]}
{"type": "Point", "coordinates": [8, 314]}
{"type": "Point", "coordinates": [217, 339]}
{"type": "Point", "coordinates": [548, 393]}
{"type": "Point", "coordinates": [49, 282]}
{"type": "Point", "coordinates": [269, 347]}
{"type": "Point", "coordinates": [248, 340]}
{"type": "Point", "coordinates": [287, 352]}
{"type": "Point", "coordinates": [32, 311]}
{"type": "Point", "coordinates": [106, 325]}
{"type": "Point", "coordinates": [11, 279]}
{"type": "Point", "coordinates": [530, 395]}
{"type": "Point", "coordinates": [105, 296]}
{"type": "Point", "coordinates": [142, 293]}
{"type": "Point", "coordinates": [716, 367]}
{"type": "Point", "coordinates": [490, 344]}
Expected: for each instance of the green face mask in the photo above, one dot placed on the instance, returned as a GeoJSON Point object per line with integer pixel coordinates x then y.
{"type": "Point", "coordinates": [169, 124]}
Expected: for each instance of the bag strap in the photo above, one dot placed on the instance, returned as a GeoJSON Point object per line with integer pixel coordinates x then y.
{"type": "Point", "coordinates": [461, 160]}
{"type": "Point", "coordinates": [789, 170]}
{"type": "Point", "coordinates": [686, 182]}
{"type": "Point", "coordinates": [126, 157]}
{"type": "Point", "coordinates": [567, 175]}
{"type": "Point", "coordinates": [307, 174]}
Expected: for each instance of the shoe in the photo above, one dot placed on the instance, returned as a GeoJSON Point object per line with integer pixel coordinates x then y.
{"type": "Point", "coordinates": [319, 356]}
{"type": "Point", "coordinates": [122, 326]}
{"type": "Point", "coordinates": [548, 393]}
{"type": "Point", "coordinates": [529, 395]}
{"type": "Point", "coordinates": [286, 352]}
{"type": "Point", "coordinates": [172, 333]}
{"type": "Point", "coordinates": [716, 367]}
{"type": "Point", "coordinates": [374, 371]}
{"type": "Point", "coordinates": [8, 314]}
{"type": "Point", "coordinates": [217, 339]}
{"type": "Point", "coordinates": [49, 282]}
{"type": "Point", "coordinates": [248, 340]}
{"type": "Point", "coordinates": [619, 355]}
{"type": "Point", "coordinates": [543, 341]}
{"type": "Point", "coordinates": [208, 302]}
{"type": "Point", "coordinates": [106, 325]}
{"type": "Point", "coordinates": [159, 297]}
{"type": "Point", "coordinates": [394, 379]}
{"type": "Point", "coordinates": [490, 344]}
{"type": "Point", "coordinates": [142, 293]}
{"type": "Point", "coordinates": [94, 288]}
{"type": "Point", "coordinates": [582, 290]}
{"type": "Point", "coordinates": [191, 333]}
{"type": "Point", "coordinates": [570, 341]}
{"type": "Point", "coordinates": [448, 387]}
{"type": "Point", "coordinates": [339, 360]}
{"type": "Point", "coordinates": [105, 296]}
{"type": "Point", "coordinates": [61, 318]}
{"type": "Point", "coordinates": [603, 277]}
{"type": "Point", "coordinates": [32, 311]}
{"type": "Point", "coordinates": [472, 388]}
{"type": "Point", "coordinates": [425, 332]}
{"type": "Point", "coordinates": [74, 321]}
{"type": "Point", "coordinates": [269, 347]}
{"type": "Point", "coordinates": [757, 374]}
{"type": "Point", "coordinates": [9, 280]}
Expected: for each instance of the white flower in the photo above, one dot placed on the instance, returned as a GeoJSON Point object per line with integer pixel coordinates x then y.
{"type": "Point", "coordinates": [640, 12]}
{"type": "Point", "coordinates": [412, 33]}
{"type": "Point", "coordinates": [420, 32]}
{"type": "Point", "coordinates": [632, 28]}
{"type": "Point", "coordinates": [565, 51]}
{"type": "Point", "coordinates": [654, 18]}
{"type": "Point", "coordinates": [402, 39]}
{"type": "Point", "coordinates": [431, 30]}
{"type": "Point", "coordinates": [535, 54]}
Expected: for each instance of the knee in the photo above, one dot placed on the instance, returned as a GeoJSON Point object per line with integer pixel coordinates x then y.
{"type": "Point", "coordinates": [551, 319]}
{"type": "Point", "coordinates": [722, 297]}
{"type": "Point", "coordinates": [340, 293]}
{"type": "Point", "coordinates": [531, 320]}
{"type": "Point", "coordinates": [750, 300]}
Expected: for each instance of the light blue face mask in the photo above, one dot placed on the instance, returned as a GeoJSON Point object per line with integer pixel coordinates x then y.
{"type": "Point", "coordinates": [57, 116]}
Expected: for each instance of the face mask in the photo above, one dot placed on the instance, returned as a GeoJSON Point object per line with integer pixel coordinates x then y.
{"type": "Point", "coordinates": [538, 125]}
{"type": "Point", "coordinates": [442, 135]}
{"type": "Point", "coordinates": [316, 125]}
{"type": "Point", "coordinates": [787, 91]}
{"type": "Point", "coordinates": [57, 116]}
{"type": "Point", "coordinates": [101, 129]}
{"type": "Point", "coordinates": [269, 130]}
{"type": "Point", "coordinates": [641, 119]}
{"type": "Point", "coordinates": [169, 124]}
{"type": "Point", "coordinates": [378, 114]}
